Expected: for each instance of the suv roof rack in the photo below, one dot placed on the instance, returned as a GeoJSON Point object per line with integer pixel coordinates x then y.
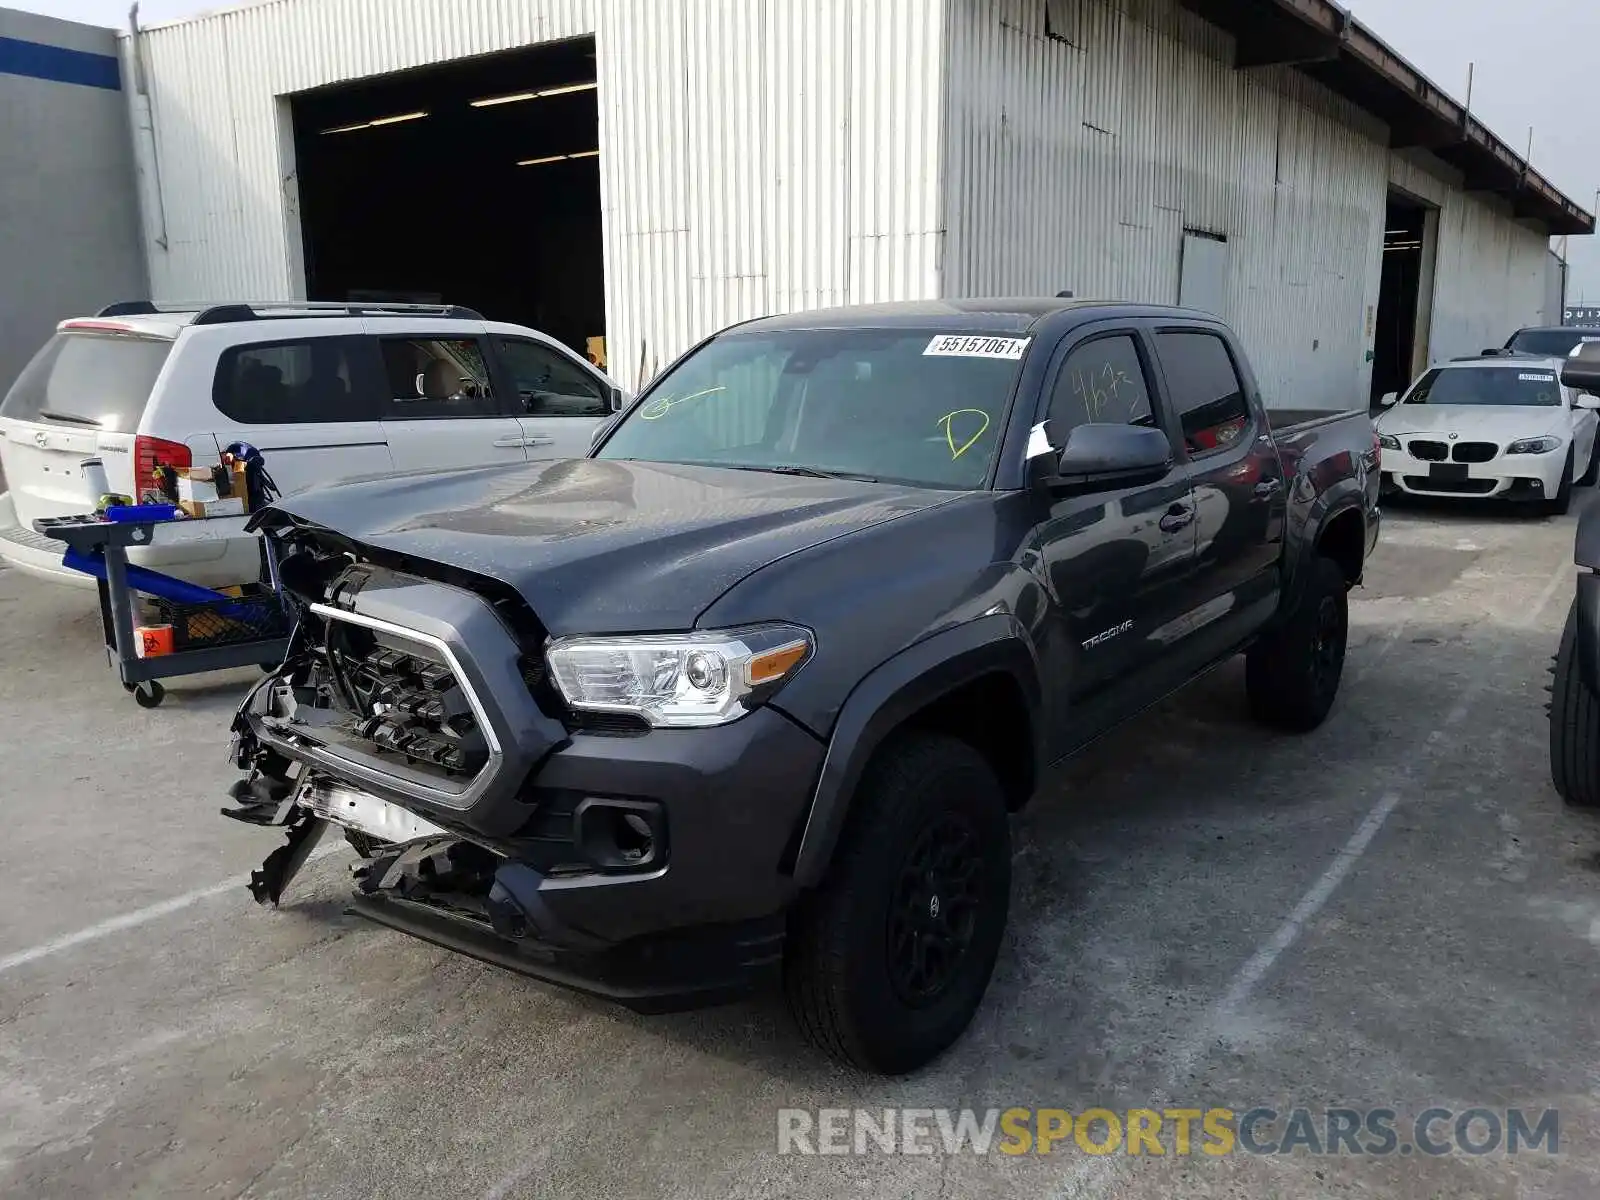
{"type": "Point", "coordinates": [262, 310]}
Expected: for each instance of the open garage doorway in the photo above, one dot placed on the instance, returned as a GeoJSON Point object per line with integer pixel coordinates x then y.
{"type": "Point", "coordinates": [475, 182]}
{"type": "Point", "coordinates": [1405, 297]}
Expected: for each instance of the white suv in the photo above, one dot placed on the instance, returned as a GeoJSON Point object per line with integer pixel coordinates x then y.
{"type": "Point", "coordinates": [325, 392]}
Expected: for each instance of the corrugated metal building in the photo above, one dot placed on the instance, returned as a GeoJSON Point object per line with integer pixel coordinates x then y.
{"type": "Point", "coordinates": [69, 229]}
{"type": "Point", "coordinates": [1270, 160]}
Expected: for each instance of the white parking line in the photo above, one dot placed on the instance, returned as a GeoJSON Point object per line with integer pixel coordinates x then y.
{"type": "Point", "coordinates": [139, 916]}
{"type": "Point", "coordinates": [1090, 1176]}
{"type": "Point", "coordinates": [1310, 905]}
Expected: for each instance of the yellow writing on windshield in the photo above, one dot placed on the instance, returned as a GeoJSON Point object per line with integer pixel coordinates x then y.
{"type": "Point", "coordinates": [655, 409]}
{"type": "Point", "coordinates": [950, 421]}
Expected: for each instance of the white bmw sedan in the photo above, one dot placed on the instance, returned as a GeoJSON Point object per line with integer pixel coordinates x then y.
{"type": "Point", "coordinates": [1502, 427]}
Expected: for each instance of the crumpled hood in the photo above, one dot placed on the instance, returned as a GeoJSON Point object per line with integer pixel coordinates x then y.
{"type": "Point", "coordinates": [1474, 422]}
{"type": "Point", "coordinates": [604, 546]}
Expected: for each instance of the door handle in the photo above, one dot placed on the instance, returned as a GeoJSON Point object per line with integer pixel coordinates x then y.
{"type": "Point", "coordinates": [507, 443]}
{"type": "Point", "coordinates": [1267, 489]}
{"type": "Point", "coordinates": [539, 441]}
{"type": "Point", "coordinates": [1179, 516]}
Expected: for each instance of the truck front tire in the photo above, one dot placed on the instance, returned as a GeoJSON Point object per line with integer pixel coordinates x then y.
{"type": "Point", "coordinates": [889, 959]}
{"type": "Point", "coordinates": [1292, 674]}
{"type": "Point", "coordinates": [1574, 725]}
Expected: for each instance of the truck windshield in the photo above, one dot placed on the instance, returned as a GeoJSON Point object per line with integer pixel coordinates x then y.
{"type": "Point", "coordinates": [1523, 387]}
{"type": "Point", "coordinates": [1557, 343]}
{"type": "Point", "coordinates": [900, 405]}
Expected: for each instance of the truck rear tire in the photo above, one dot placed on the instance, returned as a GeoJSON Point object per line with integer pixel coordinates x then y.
{"type": "Point", "coordinates": [1292, 675]}
{"type": "Point", "coordinates": [1574, 725]}
{"type": "Point", "coordinates": [889, 959]}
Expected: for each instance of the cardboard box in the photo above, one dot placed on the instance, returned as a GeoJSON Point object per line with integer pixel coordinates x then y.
{"type": "Point", "coordinates": [231, 506]}
{"type": "Point", "coordinates": [196, 487]}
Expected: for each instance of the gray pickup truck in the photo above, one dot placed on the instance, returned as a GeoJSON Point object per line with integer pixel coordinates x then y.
{"type": "Point", "coordinates": [752, 690]}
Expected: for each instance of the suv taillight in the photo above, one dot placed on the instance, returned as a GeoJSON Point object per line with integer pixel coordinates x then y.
{"type": "Point", "coordinates": [149, 455]}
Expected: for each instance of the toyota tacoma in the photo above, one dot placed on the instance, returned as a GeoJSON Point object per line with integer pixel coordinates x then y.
{"type": "Point", "coordinates": [751, 691]}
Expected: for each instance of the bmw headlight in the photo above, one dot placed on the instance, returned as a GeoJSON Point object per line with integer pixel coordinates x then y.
{"type": "Point", "coordinates": [1538, 445]}
{"type": "Point", "coordinates": [1388, 441]}
{"type": "Point", "coordinates": [678, 679]}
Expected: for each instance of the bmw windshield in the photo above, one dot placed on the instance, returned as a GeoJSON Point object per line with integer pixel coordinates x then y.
{"type": "Point", "coordinates": [897, 405]}
{"type": "Point", "coordinates": [1517, 387]}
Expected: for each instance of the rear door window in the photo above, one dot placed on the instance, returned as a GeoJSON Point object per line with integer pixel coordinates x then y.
{"type": "Point", "coordinates": [548, 383]}
{"type": "Point", "coordinates": [313, 380]}
{"type": "Point", "coordinates": [431, 378]}
{"type": "Point", "coordinates": [1207, 393]}
{"type": "Point", "coordinates": [92, 380]}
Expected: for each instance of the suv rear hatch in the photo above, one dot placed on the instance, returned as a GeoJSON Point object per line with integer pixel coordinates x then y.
{"type": "Point", "coordinates": [82, 395]}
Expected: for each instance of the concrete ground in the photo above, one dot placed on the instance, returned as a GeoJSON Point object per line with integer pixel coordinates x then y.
{"type": "Point", "coordinates": [1395, 912]}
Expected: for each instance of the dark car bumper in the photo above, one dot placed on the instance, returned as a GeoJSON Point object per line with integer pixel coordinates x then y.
{"type": "Point", "coordinates": [701, 921]}
{"type": "Point", "coordinates": [667, 972]}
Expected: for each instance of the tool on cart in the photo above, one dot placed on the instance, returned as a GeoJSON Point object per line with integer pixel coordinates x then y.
{"type": "Point", "coordinates": [259, 487]}
{"type": "Point", "coordinates": [190, 629]}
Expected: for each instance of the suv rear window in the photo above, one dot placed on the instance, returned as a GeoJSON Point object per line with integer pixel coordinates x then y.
{"type": "Point", "coordinates": [88, 379]}
{"type": "Point", "coordinates": [313, 380]}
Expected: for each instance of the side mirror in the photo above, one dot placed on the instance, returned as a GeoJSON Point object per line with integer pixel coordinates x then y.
{"type": "Point", "coordinates": [1588, 401]}
{"type": "Point", "coordinates": [1100, 456]}
{"type": "Point", "coordinates": [1390, 399]}
{"type": "Point", "coordinates": [1581, 372]}
{"type": "Point", "coordinates": [618, 400]}
{"type": "Point", "coordinates": [601, 430]}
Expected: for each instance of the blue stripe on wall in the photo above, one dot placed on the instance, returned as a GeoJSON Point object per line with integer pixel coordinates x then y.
{"type": "Point", "coordinates": [58, 64]}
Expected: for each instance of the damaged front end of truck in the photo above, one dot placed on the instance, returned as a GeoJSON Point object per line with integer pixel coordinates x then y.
{"type": "Point", "coordinates": [413, 715]}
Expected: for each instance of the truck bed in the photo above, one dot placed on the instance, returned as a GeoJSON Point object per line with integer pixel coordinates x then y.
{"type": "Point", "coordinates": [1284, 421]}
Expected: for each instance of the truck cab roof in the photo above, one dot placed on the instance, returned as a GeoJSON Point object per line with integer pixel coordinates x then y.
{"type": "Point", "coordinates": [986, 314]}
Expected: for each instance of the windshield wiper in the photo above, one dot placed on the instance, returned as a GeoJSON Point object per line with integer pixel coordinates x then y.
{"type": "Point", "coordinates": [810, 473]}
{"type": "Point", "coordinates": [49, 414]}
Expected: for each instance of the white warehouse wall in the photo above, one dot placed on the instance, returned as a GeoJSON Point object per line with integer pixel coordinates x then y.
{"type": "Point", "coordinates": [225, 221]}
{"type": "Point", "coordinates": [763, 156]}
{"type": "Point", "coordinates": [769, 155]}
{"type": "Point", "coordinates": [1078, 164]}
{"type": "Point", "coordinates": [756, 155]}
{"type": "Point", "coordinates": [1493, 272]}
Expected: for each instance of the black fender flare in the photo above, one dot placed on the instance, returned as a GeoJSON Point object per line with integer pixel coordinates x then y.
{"type": "Point", "coordinates": [1587, 555]}
{"type": "Point", "coordinates": [893, 692]}
{"type": "Point", "coordinates": [1588, 649]}
{"type": "Point", "coordinates": [1303, 550]}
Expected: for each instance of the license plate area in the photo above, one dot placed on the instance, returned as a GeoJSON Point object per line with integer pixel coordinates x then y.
{"type": "Point", "coordinates": [1447, 472]}
{"type": "Point", "coordinates": [366, 813]}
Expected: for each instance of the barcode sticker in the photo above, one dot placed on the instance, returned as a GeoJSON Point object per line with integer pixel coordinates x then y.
{"type": "Point", "coordinates": [1525, 378]}
{"type": "Point", "coordinates": [961, 345]}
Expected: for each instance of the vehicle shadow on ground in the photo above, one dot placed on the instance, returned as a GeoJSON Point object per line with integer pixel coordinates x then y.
{"type": "Point", "coordinates": [1192, 812]}
{"type": "Point", "coordinates": [1471, 510]}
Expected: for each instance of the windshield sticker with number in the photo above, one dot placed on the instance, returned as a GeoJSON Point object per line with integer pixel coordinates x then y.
{"type": "Point", "coordinates": [1537, 378]}
{"type": "Point", "coordinates": [961, 345]}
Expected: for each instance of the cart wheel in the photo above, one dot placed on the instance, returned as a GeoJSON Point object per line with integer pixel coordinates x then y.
{"type": "Point", "coordinates": [130, 688]}
{"type": "Point", "coordinates": [149, 694]}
